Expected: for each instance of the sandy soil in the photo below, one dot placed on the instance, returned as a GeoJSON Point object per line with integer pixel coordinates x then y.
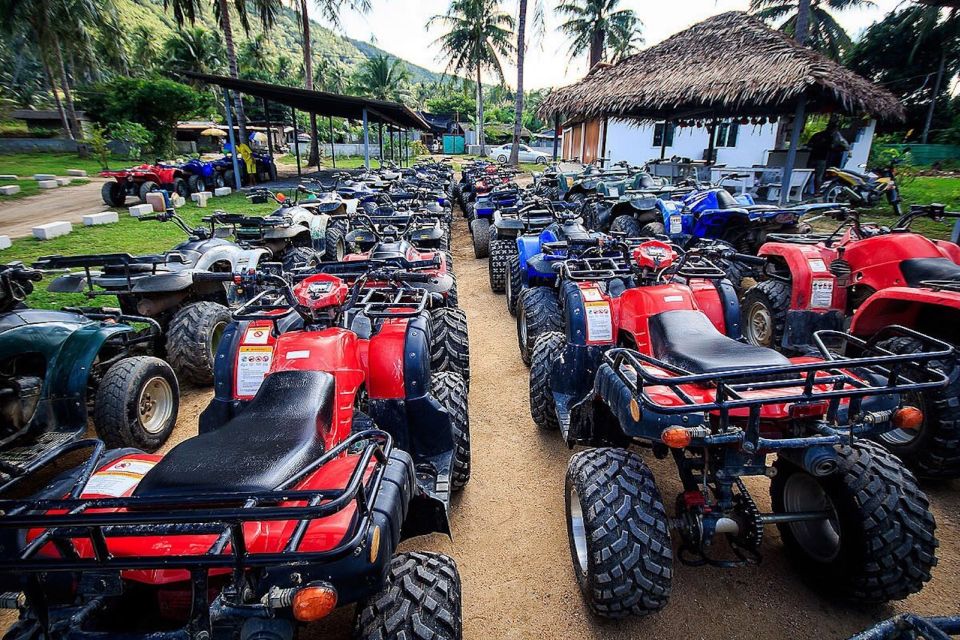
{"type": "Point", "coordinates": [18, 217]}
{"type": "Point", "coordinates": [510, 540]}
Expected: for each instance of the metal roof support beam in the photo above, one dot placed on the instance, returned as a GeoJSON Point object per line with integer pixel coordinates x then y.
{"type": "Point", "coordinates": [333, 146]}
{"type": "Point", "coordinates": [233, 141]}
{"type": "Point", "coordinates": [296, 140]}
{"type": "Point", "coordinates": [799, 117]}
{"type": "Point", "coordinates": [366, 140]}
{"type": "Point", "coordinates": [556, 136]}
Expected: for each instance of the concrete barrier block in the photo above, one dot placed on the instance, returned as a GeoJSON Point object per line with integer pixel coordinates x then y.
{"type": "Point", "coordinates": [44, 176]}
{"type": "Point", "coordinates": [177, 200]}
{"type": "Point", "coordinates": [64, 181]}
{"type": "Point", "coordinates": [107, 217]}
{"type": "Point", "coordinates": [222, 191]}
{"type": "Point", "coordinates": [5, 242]}
{"type": "Point", "coordinates": [195, 196]}
{"type": "Point", "coordinates": [138, 210]}
{"type": "Point", "coordinates": [48, 184]}
{"type": "Point", "coordinates": [201, 198]}
{"type": "Point", "coordinates": [77, 173]}
{"type": "Point", "coordinates": [9, 190]}
{"type": "Point", "coordinates": [52, 230]}
{"type": "Point", "coordinates": [155, 199]}
{"type": "Point", "coordinates": [7, 176]}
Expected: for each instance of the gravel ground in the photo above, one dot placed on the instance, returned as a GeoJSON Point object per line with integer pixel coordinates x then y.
{"type": "Point", "coordinates": [510, 541]}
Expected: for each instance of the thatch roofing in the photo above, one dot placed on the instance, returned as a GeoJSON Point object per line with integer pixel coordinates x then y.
{"type": "Point", "coordinates": [728, 65]}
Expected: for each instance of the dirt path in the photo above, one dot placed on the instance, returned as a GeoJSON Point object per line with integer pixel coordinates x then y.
{"type": "Point", "coordinates": [71, 203]}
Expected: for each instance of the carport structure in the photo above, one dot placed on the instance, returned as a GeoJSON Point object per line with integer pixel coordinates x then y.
{"type": "Point", "coordinates": [728, 66]}
{"type": "Point", "coordinates": [398, 118]}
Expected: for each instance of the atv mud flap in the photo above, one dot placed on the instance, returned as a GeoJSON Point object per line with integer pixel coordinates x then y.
{"type": "Point", "coordinates": [571, 384]}
{"type": "Point", "coordinates": [801, 325]}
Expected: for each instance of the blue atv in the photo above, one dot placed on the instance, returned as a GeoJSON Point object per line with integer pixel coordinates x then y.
{"type": "Point", "coordinates": [480, 214]}
{"type": "Point", "coordinates": [203, 176]}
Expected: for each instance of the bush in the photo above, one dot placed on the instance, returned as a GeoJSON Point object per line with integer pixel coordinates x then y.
{"type": "Point", "coordinates": [132, 135]}
{"type": "Point", "coordinates": [99, 144]}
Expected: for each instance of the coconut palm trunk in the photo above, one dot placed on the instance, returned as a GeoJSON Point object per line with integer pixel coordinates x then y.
{"type": "Point", "coordinates": [234, 68]}
{"type": "Point", "coordinates": [933, 99]}
{"type": "Point", "coordinates": [67, 94]}
{"type": "Point", "coordinates": [596, 47]}
{"type": "Point", "coordinates": [313, 158]}
{"type": "Point", "coordinates": [521, 53]}
{"type": "Point", "coordinates": [56, 97]}
{"type": "Point", "coordinates": [480, 138]}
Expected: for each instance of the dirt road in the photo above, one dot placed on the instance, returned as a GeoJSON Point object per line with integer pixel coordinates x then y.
{"type": "Point", "coordinates": [18, 217]}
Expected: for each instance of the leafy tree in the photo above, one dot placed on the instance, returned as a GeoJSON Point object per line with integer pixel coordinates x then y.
{"type": "Point", "coordinates": [824, 33]}
{"type": "Point", "coordinates": [194, 49]}
{"type": "Point", "coordinates": [382, 78]}
{"type": "Point", "coordinates": [452, 103]}
{"type": "Point", "coordinates": [596, 26]}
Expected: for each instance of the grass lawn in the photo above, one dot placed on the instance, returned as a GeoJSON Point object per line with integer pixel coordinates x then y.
{"type": "Point", "coordinates": [27, 164]}
{"type": "Point", "coordinates": [127, 236]}
{"type": "Point", "coordinates": [922, 190]}
{"type": "Point", "coordinates": [30, 188]}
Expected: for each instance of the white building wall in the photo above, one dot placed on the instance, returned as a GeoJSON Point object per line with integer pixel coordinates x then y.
{"type": "Point", "coordinates": [860, 150]}
{"type": "Point", "coordinates": [633, 143]}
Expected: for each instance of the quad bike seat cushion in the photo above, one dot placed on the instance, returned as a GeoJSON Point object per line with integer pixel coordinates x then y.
{"type": "Point", "coordinates": [688, 340]}
{"type": "Point", "coordinates": [916, 270]}
{"type": "Point", "coordinates": [278, 434]}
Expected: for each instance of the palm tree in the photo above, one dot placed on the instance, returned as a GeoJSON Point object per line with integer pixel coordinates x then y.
{"type": "Point", "coordinates": [194, 48]}
{"type": "Point", "coordinates": [824, 33]}
{"type": "Point", "coordinates": [928, 22]}
{"type": "Point", "coordinates": [478, 35]}
{"type": "Point", "coordinates": [382, 78]}
{"type": "Point", "coordinates": [143, 48]}
{"type": "Point", "coordinates": [595, 25]}
{"type": "Point", "coordinates": [188, 10]}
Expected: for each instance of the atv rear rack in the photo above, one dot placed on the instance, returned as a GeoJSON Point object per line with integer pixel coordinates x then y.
{"type": "Point", "coordinates": [941, 285]}
{"type": "Point", "coordinates": [788, 384]}
{"type": "Point", "coordinates": [123, 261]}
{"type": "Point", "coordinates": [220, 514]}
{"type": "Point", "coordinates": [596, 268]}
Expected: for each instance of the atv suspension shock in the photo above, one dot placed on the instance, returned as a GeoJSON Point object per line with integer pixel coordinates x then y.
{"type": "Point", "coordinates": [698, 528]}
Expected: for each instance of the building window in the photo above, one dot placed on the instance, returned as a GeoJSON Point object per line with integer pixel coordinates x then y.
{"type": "Point", "coordinates": [727, 134]}
{"type": "Point", "coordinates": [658, 134]}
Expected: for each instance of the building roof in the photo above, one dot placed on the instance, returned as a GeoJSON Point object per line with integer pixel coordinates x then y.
{"type": "Point", "coordinates": [729, 65]}
{"type": "Point", "coordinates": [41, 114]}
{"type": "Point", "coordinates": [321, 102]}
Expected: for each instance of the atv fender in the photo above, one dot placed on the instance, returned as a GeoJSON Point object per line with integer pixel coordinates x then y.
{"type": "Point", "coordinates": [934, 313]}
{"type": "Point", "coordinates": [949, 249]}
{"type": "Point", "coordinates": [71, 283]}
{"type": "Point", "coordinates": [806, 264]}
{"type": "Point", "coordinates": [164, 282]}
{"type": "Point", "coordinates": [527, 247]}
{"type": "Point", "coordinates": [238, 258]}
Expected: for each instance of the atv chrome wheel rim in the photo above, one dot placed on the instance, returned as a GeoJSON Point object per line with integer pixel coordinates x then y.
{"type": "Point", "coordinates": [509, 290]}
{"type": "Point", "coordinates": [155, 405]}
{"type": "Point", "coordinates": [903, 437]}
{"type": "Point", "coordinates": [820, 539]}
{"type": "Point", "coordinates": [341, 250]}
{"type": "Point", "coordinates": [522, 321]}
{"type": "Point", "coordinates": [759, 325]}
{"type": "Point", "coordinates": [577, 530]}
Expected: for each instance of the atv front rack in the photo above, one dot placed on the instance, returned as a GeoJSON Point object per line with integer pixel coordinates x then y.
{"type": "Point", "coordinates": [220, 514]}
{"type": "Point", "coordinates": [799, 384]}
{"type": "Point", "coordinates": [119, 261]}
{"type": "Point", "coordinates": [596, 268]}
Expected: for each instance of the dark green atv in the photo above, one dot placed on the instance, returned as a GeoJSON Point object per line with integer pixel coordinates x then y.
{"type": "Point", "coordinates": [59, 368]}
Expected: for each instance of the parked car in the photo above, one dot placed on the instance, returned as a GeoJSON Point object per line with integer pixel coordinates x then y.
{"type": "Point", "coordinates": [502, 154]}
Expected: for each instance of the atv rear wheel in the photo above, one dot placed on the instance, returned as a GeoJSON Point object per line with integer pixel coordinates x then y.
{"type": "Point", "coordinates": [146, 188]}
{"type": "Point", "coordinates": [480, 228]}
{"type": "Point", "coordinates": [299, 257]}
{"type": "Point", "coordinates": [449, 342]}
{"type": "Point", "coordinates": [335, 241]}
{"type": "Point", "coordinates": [195, 184]}
{"type": "Point", "coordinates": [877, 544]}
{"type": "Point", "coordinates": [450, 390]}
{"type": "Point", "coordinates": [136, 404]}
{"type": "Point", "coordinates": [763, 312]}
{"type": "Point", "coordinates": [627, 225]}
{"type": "Point", "coordinates": [113, 194]}
{"type": "Point", "coordinates": [514, 284]}
{"type": "Point", "coordinates": [453, 298]}
{"type": "Point", "coordinates": [933, 450]}
{"type": "Point", "coordinates": [546, 352]}
{"type": "Point", "coordinates": [449, 258]}
{"type": "Point", "coordinates": [500, 252]}
{"type": "Point", "coordinates": [653, 229]}
{"type": "Point", "coordinates": [179, 187]}
{"type": "Point", "coordinates": [619, 533]}
{"type": "Point", "coordinates": [538, 313]}
{"type": "Point", "coordinates": [420, 598]}
{"type": "Point", "coordinates": [192, 339]}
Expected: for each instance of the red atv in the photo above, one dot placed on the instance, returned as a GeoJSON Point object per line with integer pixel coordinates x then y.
{"type": "Point", "coordinates": [659, 365]}
{"type": "Point", "coordinates": [323, 449]}
{"type": "Point", "coordinates": [870, 277]}
{"type": "Point", "coordinates": [139, 181]}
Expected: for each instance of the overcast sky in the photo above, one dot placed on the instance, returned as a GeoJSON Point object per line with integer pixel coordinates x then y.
{"type": "Point", "coordinates": [399, 26]}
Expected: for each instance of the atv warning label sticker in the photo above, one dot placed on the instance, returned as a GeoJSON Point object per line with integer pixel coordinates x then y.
{"type": "Point", "coordinates": [118, 479]}
{"type": "Point", "coordinates": [817, 265]}
{"type": "Point", "coordinates": [591, 294]}
{"type": "Point", "coordinates": [252, 366]}
{"type": "Point", "coordinates": [599, 322]}
{"type": "Point", "coordinates": [676, 225]}
{"type": "Point", "coordinates": [822, 294]}
{"type": "Point", "coordinates": [256, 335]}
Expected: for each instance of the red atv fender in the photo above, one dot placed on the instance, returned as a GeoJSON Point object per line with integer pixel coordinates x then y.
{"type": "Point", "coordinates": [929, 311]}
{"type": "Point", "coordinates": [881, 256]}
{"type": "Point", "coordinates": [813, 287]}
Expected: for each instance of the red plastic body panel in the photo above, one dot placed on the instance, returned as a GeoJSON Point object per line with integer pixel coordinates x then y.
{"type": "Point", "coordinates": [636, 306]}
{"type": "Point", "coordinates": [385, 360]}
{"type": "Point", "coordinates": [807, 264]}
{"type": "Point", "coordinates": [707, 299]}
{"type": "Point", "coordinates": [949, 249]}
{"type": "Point", "coordinates": [144, 172]}
{"type": "Point", "coordinates": [904, 306]}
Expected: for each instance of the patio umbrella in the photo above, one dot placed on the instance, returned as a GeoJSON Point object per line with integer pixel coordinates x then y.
{"type": "Point", "coordinates": [216, 133]}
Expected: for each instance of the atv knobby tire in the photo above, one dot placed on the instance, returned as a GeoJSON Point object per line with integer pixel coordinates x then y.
{"type": "Point", "coordinates": [879, 545]}
{"type": "Point", "coordinates": [449, 343]}
{"type": "Point", "coordinates": [335, 241]}
{"type": "Point", "coordinates": [136, 404]}
{"type": "Point", "coordinates": [500, 252]}
{"type": "Point", "coordinates": [113, 194]}
{"type": "Point", "coordinates": [192, 339]}
{"type": "Point", "coordinates": [300, 257]}
{"type": "Point", "coordinates": [453, 298]}
{"type": "Point", "coordinates": [932, 451]}
{"type": "Point", "coordinates": [514, 284]}
{"type": "Point", "coordinates": [538, 313]}
{"type": "Point", "coordinates": [450, 391]}
{"type": "Point", "coordinates": [480, 228]}
{"type": "Point", "coordinates": [627, 225]}
{"type": "Point", "coordinates": [619, 533]}
{"type": "Point", "coordinates": [546, 352]}
{"type": "Point", "coordinates": [449, 258]}
{"type": "Point", "coordinates": [653, 230]}
{"type": "Point", "coordinates": [419, 600]}
{"type": "Point", "coordinates": [146, 188]}
{"type": "Point", "coordinates": [763, 313]}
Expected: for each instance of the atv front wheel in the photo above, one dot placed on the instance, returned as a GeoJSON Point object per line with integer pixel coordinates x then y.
{"type": "Point", "coordinates": [538, 313]}
{"type": "Point", "coordinates": [514, 284]}
{"type": "Point", "coordinates": [619, 533]}
{"type": "Point", "coordinates": [146, 188]}
{"type": "Point", "coordinates": [546, 352]}
{"type": "Point", "coordinates": [300, 257]}
{"type": "Point", "coordinates": [136, 404]}
{"type": "Point", "coordinates": [449, 342]}
{"type": "Point", "coordinates": [628, 226]}
{"type": "Point", "coordinates": [195, 184]}
{"type": "Point", "coordinates": [877, 543]}
{"type": "Point", "coordinates": [480, 228]}
{"type": "Point", "coordinates": [933, 450]}
{"type": "Point", "coordinates": [192, 339]}
{"type": "Point", "coordinates": [178, 187]}
{"type": "Point", "coordinates": [450, 391]}
{"type": "Point", "coordinates": [500, 252]}
{"type": "Point", "coordinates": [420, 598]}
{"type": "Point", "coordinates": [335, 241]}
{"type": "Point", "coordinates": [653, 230]}
{"type": "Point", "coordinates": [113, 194]}
{"type": "Point", "coordinates": [764, 313]}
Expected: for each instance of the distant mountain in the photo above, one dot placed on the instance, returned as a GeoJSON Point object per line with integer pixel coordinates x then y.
{"type": "Point", "coordinates": [417, 73]}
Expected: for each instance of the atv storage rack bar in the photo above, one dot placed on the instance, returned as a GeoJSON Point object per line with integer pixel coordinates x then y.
{"type": "Point", "coordinates": [789, 384]}
{"type": "Point", "coordinates": [115, 260]}
{"type": "Point", "coordinates": [221, 514]}
{"type": "Point", "coordinates": [596, 268]}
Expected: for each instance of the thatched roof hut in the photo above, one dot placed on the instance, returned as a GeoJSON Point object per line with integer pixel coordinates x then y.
{"type": "Point", "coordinates": [728, 65]}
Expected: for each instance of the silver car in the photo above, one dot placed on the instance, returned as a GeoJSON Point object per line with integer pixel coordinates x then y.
{"type": "Point", "coordinates": [502, 154]}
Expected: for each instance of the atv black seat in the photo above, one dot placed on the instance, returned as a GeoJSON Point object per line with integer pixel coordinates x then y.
{"type": "Point", "coordinates": [274, 438]}
{"type": "Point", "coordinates": [917, 270]}
{"type": "Point", "coordinates": [688, 340]}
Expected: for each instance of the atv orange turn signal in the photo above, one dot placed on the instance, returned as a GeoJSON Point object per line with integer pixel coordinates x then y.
{"type": "Point", "coordinates": [908, 418]}
{"type": "Point", "coordinates": [676, 437]}
{"type": "Point", "coordinates": [315, 601]}
{"type": "Point", "coordinates": [281, 197]}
